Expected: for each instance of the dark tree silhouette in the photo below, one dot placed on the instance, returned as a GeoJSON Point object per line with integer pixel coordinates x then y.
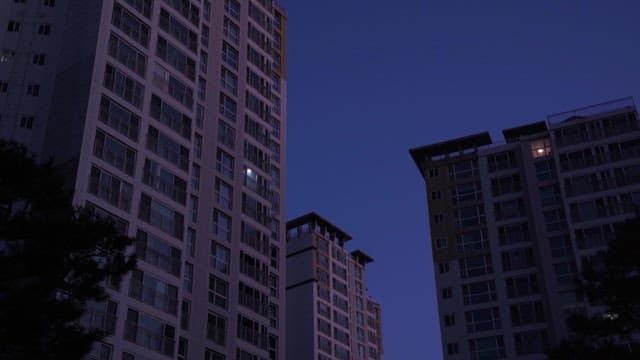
{"type": "Point", "coordinates": [53, 259]}
{"type": "Point", "coordinates": [611, 280]}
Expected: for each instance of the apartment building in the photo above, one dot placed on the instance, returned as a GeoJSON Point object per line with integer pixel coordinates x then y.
{"type": "Point", "coordinates": [512, 224]}
{"type": "Point", "coordinates": [169, 118]}
{"type": "Point", "coordinates": [329, 314]}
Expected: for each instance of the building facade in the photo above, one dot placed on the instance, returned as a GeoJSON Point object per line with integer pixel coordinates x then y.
{"type": "Point", "coordinates": [513, 223]}
{"type": "Point", "coordinates": [329, 314]}
{"type": "Point", "coordinates": [168, 117]}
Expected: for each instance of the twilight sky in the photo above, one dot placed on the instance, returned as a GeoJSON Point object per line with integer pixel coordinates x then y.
{"type": "Point", "coordinates": [369, 79]}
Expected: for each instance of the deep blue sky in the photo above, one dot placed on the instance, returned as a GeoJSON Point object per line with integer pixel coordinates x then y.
{"type": "Point", "coordinates": [369, 79]}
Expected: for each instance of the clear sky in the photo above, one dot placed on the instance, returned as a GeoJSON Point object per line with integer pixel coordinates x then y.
{"type": "Point", "coordinates": [370, 79]}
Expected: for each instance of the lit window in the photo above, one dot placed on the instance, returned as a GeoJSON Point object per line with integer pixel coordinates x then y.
{"type": "Point", "coordinates": [540, 148]}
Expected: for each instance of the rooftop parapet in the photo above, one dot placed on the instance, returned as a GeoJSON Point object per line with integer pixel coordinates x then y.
{"type": "Point", "coordinates": [313, 219]}
{"type": "Point", "coordinates": [592, 110]}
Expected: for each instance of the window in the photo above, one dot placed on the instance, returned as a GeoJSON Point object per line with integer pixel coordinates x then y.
{"type": "Point", "coordinates": [119, 118]}
{"type": "Point", "coordinates": [13, 26]}
{"type": "Point", "coordinates": [560, 246]}
{"type": "Point", "coordinates": [222, 225]}
{"type": "Point", "coordinates": [522, 286]}
{"type": "Point", "coordinates": [223, 194]}
{"type": "Point", "coordinates": [217, 329]}
{"type": "Point", "coordinates": [176, 58]}
{"type": "Point", "coordinates": [114, 152]}
{"type": "Point", "coordinates": [441, 243]}
{"type": "Point", "coordinates": [226, 134]}
{"type": "Point", "coordinates": [229, 81]}
{"type": "Point", "coordinates": [231, 30]}
{"type": "Point", "coordinates": [513, 233]}
{"type": "Point", "coordinates": [252, 331]}
{"type": "Point", "coordinates": [436, 195]}
{"type": "Point", "coordinates": [466, 192]}
{"type": "Point", "coordinates": [7, 56]}
{"type": "Point", "coordinates": [218, 291]}
{"type": "Point", "coordinates": [154, 292]}
{"type": "Point", "coordinates": [4, 86]}
{"type": "Point", "coordinates": [509, 209]}
{"type": "Point", "coordinates": [256, 209]}
{"type": "Point", "coordinates": [161, 216]}
{"type": "Point", "coordinates": [110, 188]}
{"type": "Point", "coordinates": [549, 195]}
{"type": "Point", "coordinates": [502, 161]}
{"type": "Point", "coordinates": [491, 347]}
{"type": "Point", "coordinates": [527, 313]}
{"type": "Point", "coordinates": [190, 243]}
{"type": "Point", "coordinates": [220, 256]}
{"type": "Point", "coordinates": [452, 348]}
{"type": "Point", "coordinates": [472, 241]}
{"type": "Point", "coordinates": [438, 218]}
{"type": "Point", "coordinates": [197, 145]}
{"type": "Point", "coordinates": [149, 332]}
{"type": "Point", "coordinates": [195, 176]}
{"type": "Point", "coordinates": [170, 116]}
{"type": "Point", "coordinates": [479, 292]}
{"type": "Point", "coordinates": [202, 88]}
{"type": "Point", "coordinates": [232, 8]}
{"type": "Point", "coordinates": [324, 344]}
{"type": "Point", "coordinates": [204, 36]}
{"type": "Point", "coordinates": [33, 90]}
{"type": "Point", "coordinates": [187, 277]}
{"type": "Point", "coordinates": [183, 345]}
{"type": "Point", "coordinates": [193, 208]}
{"type": "Point", "coordinates": [39, 59]}
{"type": "Point", "coordinates": [213, 355]}
{"type": "Point", "coordinates": [505, 185]}
{"type": "Point", "coordinates": [531, 342]}
{"type": "Point", "coordinates": [483, 320]}
{"type": "Point", "coordinates": [204, 59]}
{"type": "Point", "coordinates": [44, 29]}
{"type": "Point", "coordinates": [224, 163]}
{"type": "Point", "coordinates": [165, 181]}
{"type": "Point", "coordinates": [517, 259]}
{"type": "Point", "coordinates": [447, 293]}
{"type": "Point", "coordinates": [475, 266]}
{"type": "Point", "coordinates": [565, 273]}
{"type": "Point", "coordinates": [555, 220]}
{"type": "Point", "coordinates": [178, 30]}
{"type": "Point", "coordinates": [227, 107]}
{"type": "Point", "coordinates": [127, 55]}
{"type": "Point", "coordinates": [49, 3]}
{"type": "Point", "coordinates": [469, 216]}
{"type": "Point", "coordinates": [143, 6]}
{"type": "Point", "coordinates": [26, 121]}
{"type": "Point", "coordinates": [131, 25]}
{"type": "Point", "coordinates": [253, 299]}
{"type": "Point", "coordinates": [101, 316]}
{"type": "Point", "coordinates": [230, 55]}
{"type": "Point", "coordinates": [124, 86]}
{"type": "Point", "coordinates": [167, 148]}
{"type": "Point", "coordinates": [449, 320]}
{"type": "Point", "coordinates": [443, 267]}
{"type": "Point", "coordinates": [540, 148]}
{"type": "Point", "coordinates": [545, 170]}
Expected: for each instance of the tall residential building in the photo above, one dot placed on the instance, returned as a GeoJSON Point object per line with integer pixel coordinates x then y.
{"type": "Point", "coordinates": [329, 314]}
{"type": "Point", "coordinates": [513, 223]}
{"type": "Point", "coordinates": [168, 117]}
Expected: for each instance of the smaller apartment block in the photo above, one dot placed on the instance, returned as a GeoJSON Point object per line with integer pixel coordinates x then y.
{"type": "Point", "coordinates": [329, 314]}
{"type": "Point", "coordinates": [513, 223]}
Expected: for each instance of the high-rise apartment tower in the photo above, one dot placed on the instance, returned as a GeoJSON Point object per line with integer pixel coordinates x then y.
{"type": "Point", "coordinates": [169, 117]}
{"type": "Point", "coordinates": [513, 223]}
{"type": "Point", "coordinates": [329, 314]}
